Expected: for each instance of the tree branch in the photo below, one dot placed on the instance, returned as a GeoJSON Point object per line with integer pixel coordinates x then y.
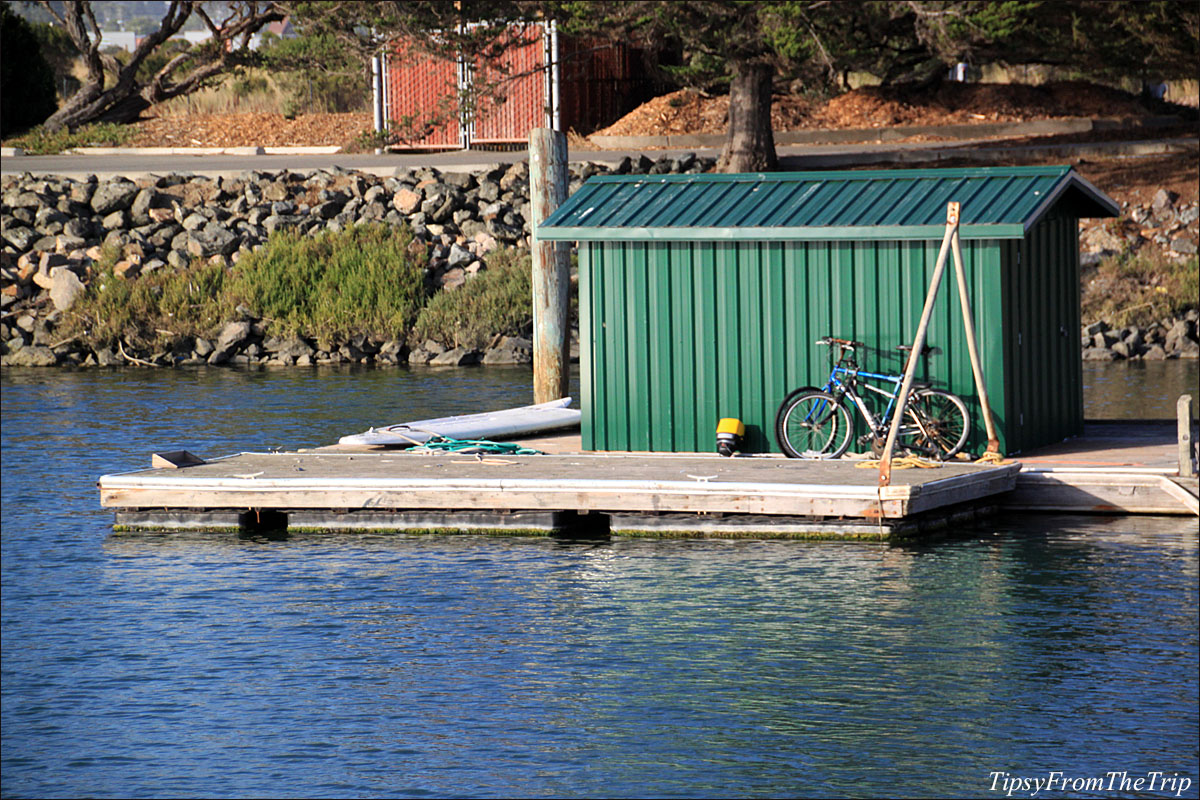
{"type": "Point", "coordinates": [128, 96]}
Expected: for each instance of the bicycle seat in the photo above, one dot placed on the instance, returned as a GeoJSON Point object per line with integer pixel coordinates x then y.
{"type": "Point", "coordinates": [925, 350]}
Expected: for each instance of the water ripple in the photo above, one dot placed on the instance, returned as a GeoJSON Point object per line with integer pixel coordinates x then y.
{"type": "Point", "coordinates": [396, 665]}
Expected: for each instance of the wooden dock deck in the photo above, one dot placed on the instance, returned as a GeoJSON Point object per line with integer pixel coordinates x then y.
{"type": "Point", "coordinates": [1111, 469]}
{"type": "Point", "coordinates": [334, 488]}
{"type": "Point", "coordinates": [1114, 467]}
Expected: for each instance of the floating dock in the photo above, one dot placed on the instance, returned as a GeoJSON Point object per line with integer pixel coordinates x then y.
{"type": "Point", "coordinates": [334, 489]}
{"type": "Point", "coordinates": [1113, 468]}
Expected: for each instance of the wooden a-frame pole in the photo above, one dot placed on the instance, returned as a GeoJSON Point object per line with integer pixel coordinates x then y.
{"type": "Point", "coordinates": [950, 242]}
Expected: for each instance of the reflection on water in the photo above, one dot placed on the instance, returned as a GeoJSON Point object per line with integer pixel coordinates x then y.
{"type": "Point", "coordinates": [1138, 389]}
{"type": "Point", "coordinates": [398, 665]}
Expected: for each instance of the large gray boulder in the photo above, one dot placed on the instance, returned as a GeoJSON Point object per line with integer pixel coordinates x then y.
{"type": "Point", "coordinates": [212, 240]}
{"type": "Point", "coordinates": [66, 288]}
{"type": "Point", "coordinates": [32, 356]}
{"type": "Point", "coordinates": [510, 350]}
{"type": "Point", "coordinates": [113, 196]}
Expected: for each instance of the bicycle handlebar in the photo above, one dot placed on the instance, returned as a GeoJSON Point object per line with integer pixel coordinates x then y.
{"type": "Point", "coordinates": [832, 340]}
{"type": "Point", "coordinates": [849, 344]}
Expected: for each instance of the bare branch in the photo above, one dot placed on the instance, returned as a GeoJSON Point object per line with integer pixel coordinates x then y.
{"type": "Point", "coordinates": [128, 95]}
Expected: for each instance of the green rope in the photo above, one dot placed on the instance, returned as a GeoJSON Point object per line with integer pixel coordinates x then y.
{"type": "Point", "coordinates": [444, 444]}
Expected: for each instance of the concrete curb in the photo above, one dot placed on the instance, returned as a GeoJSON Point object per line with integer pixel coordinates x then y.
{"type": "Point", "coordinates": [10, 152]}
{"type": "Point", "coordinates": [924, 155]}
{"type": "Point", "coordinates": [1044, 127]}
{"type": "Point", "coordinates": [204, 151]}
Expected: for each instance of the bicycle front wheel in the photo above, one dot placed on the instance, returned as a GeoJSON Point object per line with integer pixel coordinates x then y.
{"type": "Point", "coordinates": [813, 425]}
{"type": "Point", "coordinates": [940, 423]}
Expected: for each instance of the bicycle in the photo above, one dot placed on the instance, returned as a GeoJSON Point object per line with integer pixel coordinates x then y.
{"type": "Point", "coordinates": [816, 423]}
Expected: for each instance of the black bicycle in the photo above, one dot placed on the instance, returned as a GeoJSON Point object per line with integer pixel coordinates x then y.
{"type": "Point", "coordinates": [819, 423]}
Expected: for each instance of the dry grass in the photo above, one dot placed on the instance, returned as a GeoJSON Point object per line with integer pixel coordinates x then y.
{"type": "Point", "coordinates": [1139, 289]}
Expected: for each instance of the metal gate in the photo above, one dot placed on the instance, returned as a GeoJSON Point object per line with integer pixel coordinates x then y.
{"type": "Point", "coordinates": [544, 80]}
{"type": "Point", "coordinates": [420, 98]}
{"type": "Point", "coordinates": [423, 95]}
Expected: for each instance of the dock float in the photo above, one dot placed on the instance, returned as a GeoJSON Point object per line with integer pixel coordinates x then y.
{"type": "Point", "coordinates": [640, 494]}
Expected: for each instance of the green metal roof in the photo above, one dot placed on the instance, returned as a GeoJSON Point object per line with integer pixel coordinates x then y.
{"type": "Point", "coordinates": [997, 203]}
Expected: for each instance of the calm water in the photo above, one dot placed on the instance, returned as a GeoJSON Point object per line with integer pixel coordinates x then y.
{"type": "Point", "coordinates": [204, 665]}
{"type": "Point", "coordinates": [1138, 389]}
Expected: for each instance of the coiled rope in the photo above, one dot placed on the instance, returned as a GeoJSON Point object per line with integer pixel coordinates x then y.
{"type": "Point", "coordinates": [900, 462]}
{"type": "Point", "coordinates": [444, 444]}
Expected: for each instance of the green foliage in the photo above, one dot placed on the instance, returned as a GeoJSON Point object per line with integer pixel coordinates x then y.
{"type": "Point", "coordinates": [317, 72]}
{"type": "Point", "coordinates": [333, 285]}
{"type": "Point", "coordinates": [151, 308]}
{"type": "Point", "coordinates": [250, 83]}
{"type": "Point", "coordinates": [60, 52]}
{"type": "Point", "coordinates": [26, 81]}
{"type": "Point", "coordinates": [361, 280]}
{"type": "Point", "coordinates": [41, 142]}
{"type": "Point", "coordinates": [160, 57]}
{"type": "Point", "coordinates": [1140, 288]}
{"type": "Point", "coordinates": [498, 300]}
{"type": "Point", "coordinates": [1152, 39]}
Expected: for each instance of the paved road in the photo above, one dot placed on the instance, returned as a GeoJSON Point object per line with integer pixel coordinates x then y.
{"type": "Point", "coordinates": [794, 157]}
{"type": "Point", "coordinates": [386, 164]}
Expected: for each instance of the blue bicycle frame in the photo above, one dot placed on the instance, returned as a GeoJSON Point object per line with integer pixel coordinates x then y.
{"type": "Point", "coordinates": [836, 387]}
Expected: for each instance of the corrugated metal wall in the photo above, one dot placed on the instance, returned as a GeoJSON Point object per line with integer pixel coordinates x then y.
{"type": "Point", "coordinates": [1043, 392]}
{"type": "Point", "coordinates": [680, 334]}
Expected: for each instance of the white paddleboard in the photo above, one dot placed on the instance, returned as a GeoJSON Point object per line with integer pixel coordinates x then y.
{"type": "Point", "coordinates": [507, 422]}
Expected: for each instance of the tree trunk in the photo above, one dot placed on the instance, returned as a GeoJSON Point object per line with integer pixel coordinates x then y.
{"type": "Point", "coordinates": [118, 107]}
{"type": "Point", "coordinates": [750, 142]}
{"type": "Point", "coordinates": [126, 110]}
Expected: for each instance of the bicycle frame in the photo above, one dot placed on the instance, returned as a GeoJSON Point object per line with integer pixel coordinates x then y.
{"type": "Point", "coordinates": [839, 388]}
{"type": "Point", "coordinates": [936, 422]}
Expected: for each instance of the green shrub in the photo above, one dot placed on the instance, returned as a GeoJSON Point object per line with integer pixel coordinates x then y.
{"type": "Point", "coordinates": [149, 309]}
{"type": "Point", "coordinates": [26, 81]}
{"type": "Point", "coordinates": [363, 280]}
{"type": "Point", "coordinates": [332, 286]}
{"type": "Point", "coordinates": [60, 53]}
{"type": "Point", "coordinates": [40, 142]}
{"type": "Point", "coordinates": [497, 300]}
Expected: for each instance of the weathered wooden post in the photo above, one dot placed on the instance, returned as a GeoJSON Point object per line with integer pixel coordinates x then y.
{"type": "Point", "coordinates": [551, 267]}
{"type": "Point", "coordinates": [910, 369]}
{"type": "Point", "coordinates": [1183, 423]}
{"type": "Point", "coordinates": [964, 299]}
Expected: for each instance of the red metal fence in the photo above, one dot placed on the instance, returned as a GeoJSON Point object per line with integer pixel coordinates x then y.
{"type": "Point", "coordinates": [421, 98]}
{"type": "Point", "coordinates": [548, 81]}
{"type": "Point", "coordinates": [520, 100]}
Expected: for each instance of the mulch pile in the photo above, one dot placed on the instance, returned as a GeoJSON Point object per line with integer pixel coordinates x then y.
{"type": "Point", "coordinates": [689, 111]}
{"type": "Point", "coordinates": [249, 130]}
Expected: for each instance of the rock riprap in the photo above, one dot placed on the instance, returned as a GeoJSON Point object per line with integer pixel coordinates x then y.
{"type": "Point", "coordinates": [53, 231]}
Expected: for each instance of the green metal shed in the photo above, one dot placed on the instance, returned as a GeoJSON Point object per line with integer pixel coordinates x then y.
{"type": "Point", "coordinates": [701, 296]}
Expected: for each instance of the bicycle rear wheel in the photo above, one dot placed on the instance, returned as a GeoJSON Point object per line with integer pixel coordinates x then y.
{"type": "Point", "coordinates": [938, 423]}
{"type": "Point", "coordinates": [813, 424]}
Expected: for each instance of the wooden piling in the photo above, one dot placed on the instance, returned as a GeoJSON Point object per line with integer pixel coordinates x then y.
{"type": "Point", "coordinates": [1183, 422]}
{"type": "Point", "coordinates": [551, 267]}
